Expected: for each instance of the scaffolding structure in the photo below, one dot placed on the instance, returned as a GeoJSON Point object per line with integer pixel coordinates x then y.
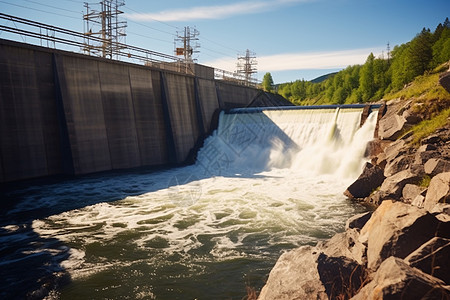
{"type": "Point", "coordinates": [246, 66]}
{"type": "Point", "coordinates": [102, 23]}
{"type": "Point", "coordinates": [186, 47]}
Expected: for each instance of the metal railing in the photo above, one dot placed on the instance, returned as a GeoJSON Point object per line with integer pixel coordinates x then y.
{"type": "Point", "coordinates": [64, 39]}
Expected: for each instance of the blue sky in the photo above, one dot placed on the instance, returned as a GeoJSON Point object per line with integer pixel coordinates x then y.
{"type": "Point", "coordinates": [292, 39]}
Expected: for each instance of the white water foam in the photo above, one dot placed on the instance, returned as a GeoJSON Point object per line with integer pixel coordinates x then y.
{"type": "Point", "coordinates": [263, 183]}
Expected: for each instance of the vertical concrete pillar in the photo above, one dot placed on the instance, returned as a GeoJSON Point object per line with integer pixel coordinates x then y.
{"type": "Point", "coordinates": [149, 116]}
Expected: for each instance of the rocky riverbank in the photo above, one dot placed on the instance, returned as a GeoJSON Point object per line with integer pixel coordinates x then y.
{"type": "Point", "coordinates": [399, 251]}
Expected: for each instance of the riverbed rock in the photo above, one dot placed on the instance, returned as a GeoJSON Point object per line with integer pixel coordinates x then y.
{"type": "Point", "coordinates": [396, 229]}
{"type": "Point", "coordinates": [391, 127]}
{"type": "Point", "coordinates": [295, 276]}
{"type": "Point", "coordinates": [435, 166]}
{"type": "Point", "coordinates": [438, 190]}
{"type": "Point", "coordinates": [433, 258]}
{"type": "Point", "coordinates": [371, 178]}
{"type": "Point", "coordinates": [395, 279]}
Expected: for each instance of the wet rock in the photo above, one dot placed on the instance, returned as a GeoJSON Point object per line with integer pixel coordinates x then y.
{"type": "Point", "coordinates": [358, 221]}
{"type": "Point", "coordinates": [390, 127]}
{"type": "Point", "coordinates": [295, 276]}
{"type": "Point", "coordinates": [395, 279]}
{"type": "Point", "coordinates": [371, 178]}
{"type": "Point", "coordinates": [396, 229]}
{"type": "Point", "coordinates": [433, 258]}
{"type": "Point", "coordinates": [435, 166]}
{"type": "Point", "coordinates": [438, 190]}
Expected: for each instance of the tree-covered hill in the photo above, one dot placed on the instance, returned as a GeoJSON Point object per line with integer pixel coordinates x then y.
{"type": "Point", "coordinates": [378, 76]}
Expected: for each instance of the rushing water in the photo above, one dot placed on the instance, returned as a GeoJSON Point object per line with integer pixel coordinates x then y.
{"type": "Point", "coordinates": [263, 183]}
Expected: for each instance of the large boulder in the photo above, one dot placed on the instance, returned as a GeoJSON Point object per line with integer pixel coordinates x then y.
{"type": "Point", "coordinates": [396, 229]}
{"type": "Point", "coordinates": [390, 127]}
{"type": "Point", "coordinates": [371, 178]}
{"type": "Point", "coordinates": [444, 80]}
{"type": "Point", "coordinates": [433, 258]}
{"type": "Point", "coordinates": [392, 186]}
{"type": "Point", "coordinates": [411, 191]}
{"type": "Point", "coordinates": [341, 276]}
{"type": "Point", "coordinates": [358, 221]}
{"type": "Point", "coordinates": [395, 279]}
{"type": "Point", "coordinates": [295, 276]}
{"type": "Point", "coordinates": [398, 164]}
{"type": "Point", "coordinates": [435, 166]}
{"type": "Point", "coordinates": [438, 190]}
{"type": "Point", "coordinates": [344, 244]}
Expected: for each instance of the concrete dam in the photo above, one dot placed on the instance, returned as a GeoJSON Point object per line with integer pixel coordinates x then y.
{"type": "Point", "coordinates": [68, 113]}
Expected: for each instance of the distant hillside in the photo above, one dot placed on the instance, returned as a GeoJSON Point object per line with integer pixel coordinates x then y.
{"type": "Point", "coordinates": [323, 77]}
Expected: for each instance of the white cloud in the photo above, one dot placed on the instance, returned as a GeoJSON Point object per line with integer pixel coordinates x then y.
{"type": "Point", "coordinates": [303, 61]}
{"type": "Point", "coordinates": [211, 12]}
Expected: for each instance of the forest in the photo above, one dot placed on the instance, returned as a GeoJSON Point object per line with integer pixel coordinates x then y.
{"type": "Point", "coordinates": [378, 75]}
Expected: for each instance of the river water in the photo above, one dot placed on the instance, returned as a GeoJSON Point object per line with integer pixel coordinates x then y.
{"type": "Point", "coordinates": [264, 183]}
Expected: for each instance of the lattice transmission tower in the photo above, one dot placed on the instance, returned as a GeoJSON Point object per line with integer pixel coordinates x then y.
{"type": "Point", "coordinates": [247, 66]}
{"type": "Point", "coordinates": [186, 43]}
{"type": "Point", "coordinates": [104, 32]}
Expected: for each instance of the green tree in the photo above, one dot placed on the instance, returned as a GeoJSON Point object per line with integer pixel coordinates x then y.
{"type": "Point", "coordinates": [267, 82]}
{"type": "Point", "coordinates": [366, 79]}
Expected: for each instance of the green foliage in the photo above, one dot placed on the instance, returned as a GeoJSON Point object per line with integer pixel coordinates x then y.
{"type": "Point", "coordinates": [267, 82]}
{"type": "Point", "coordinates": [377, 76]}
{"type": "Point", "coordinates": [427, 127]}
{"type": "Point", "coordinates": [425, 182]}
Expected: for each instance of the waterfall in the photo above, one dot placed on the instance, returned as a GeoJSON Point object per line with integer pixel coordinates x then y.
{"type": "Point", "coordinates": [314, 141]}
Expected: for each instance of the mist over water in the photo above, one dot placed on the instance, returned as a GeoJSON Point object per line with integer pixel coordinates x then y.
{"type": "Point", "coordinates": [263, 183]}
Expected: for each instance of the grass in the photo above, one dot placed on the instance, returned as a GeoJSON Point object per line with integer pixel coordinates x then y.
{"type": "Point", "coordinates": [428, 127]}
{"type": "Point", "coordinates": [425, 182]}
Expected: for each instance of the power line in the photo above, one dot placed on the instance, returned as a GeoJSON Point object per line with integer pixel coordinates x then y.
{"type": "Point", "coordinates": [40, 10]}
{"type": "Point", "coordinates": [167, 24]}
{"type": "Point", "coordinates": [54, 7]}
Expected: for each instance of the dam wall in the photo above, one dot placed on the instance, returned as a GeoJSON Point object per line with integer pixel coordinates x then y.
{"type": "Point", "coordinates": [68, 113]}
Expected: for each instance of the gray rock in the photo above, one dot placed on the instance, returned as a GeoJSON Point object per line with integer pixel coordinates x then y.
{"type": "Point", "coordinates": [392, 186]}
{"type": "Point", "coordinates": [396, 229]}
{"type": "Point", "coordinates": [418, 201]}
{"type": "Point", "coordinates": [438, 190]}
{"type": "Point", "coordinates": [435, 166]}
{"type": "Point", "coordinates": [345, 244]}
{"type": "Point", "coordinates": [411, 191]}
{"type": "Point", "coordinates": [444, 80]}
{"type": "Point", "coordinates": [395, 279]}
{"type": "Point", "coordinates": [295, 276]}
{"type": "Point", "coordinates": [398, 164]}
{"type": "Point", "coordinates": [371, 178]}
{"type": "Point", "coordinates": [341, 276]}
{"type": "Point", "coordinates": [433, 258]}
{"type": "Point", "coordinates": [395, 149]}
{"type": "Point", "coordinates": [358, 221]}
{"type": "Point", "coordinates": [390, 127]}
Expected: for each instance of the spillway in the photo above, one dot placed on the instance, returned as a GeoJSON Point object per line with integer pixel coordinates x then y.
{"type": "Point", "coordinates": [265, 181]}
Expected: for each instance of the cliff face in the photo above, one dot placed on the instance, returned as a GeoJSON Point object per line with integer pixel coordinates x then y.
{"type": "Point", "coordinates": [402, 249]}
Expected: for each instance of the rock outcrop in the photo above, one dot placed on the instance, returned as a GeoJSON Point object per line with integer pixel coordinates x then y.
{"type": "Point", "coordinates": [399, 251]}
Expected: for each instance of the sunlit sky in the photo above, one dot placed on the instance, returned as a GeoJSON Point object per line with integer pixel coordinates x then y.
{"type": "Point", "coordinates": [292, 39]}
